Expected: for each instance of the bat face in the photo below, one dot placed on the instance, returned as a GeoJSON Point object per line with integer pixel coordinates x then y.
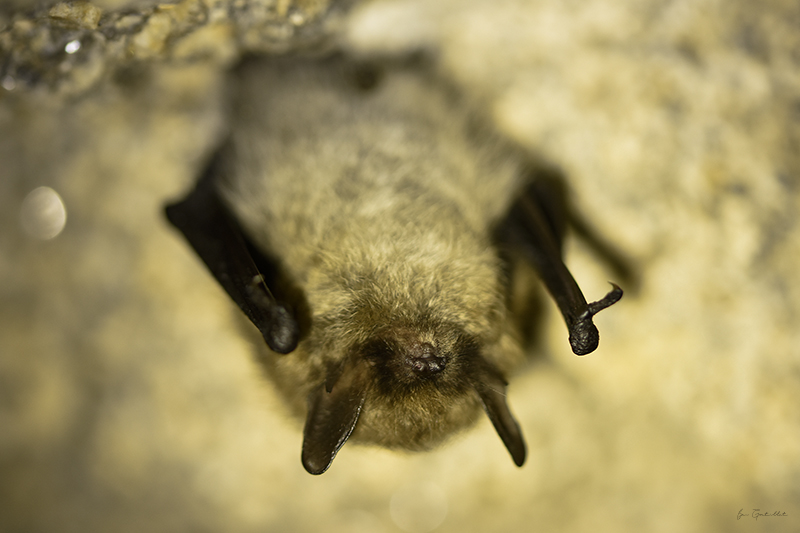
{"type": "Point", "coordinates": [357, 217]}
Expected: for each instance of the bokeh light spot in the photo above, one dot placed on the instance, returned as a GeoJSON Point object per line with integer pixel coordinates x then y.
{"type": "Point", "coordinates": [43, 214]}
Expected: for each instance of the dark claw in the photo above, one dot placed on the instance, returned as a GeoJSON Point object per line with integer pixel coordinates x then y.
{"type": "Point", "coordinates": [583, 334]}
{"type": "Point", "coordinates": [283, 331]}
{"type": "Point", "coordinates": [607, 301]}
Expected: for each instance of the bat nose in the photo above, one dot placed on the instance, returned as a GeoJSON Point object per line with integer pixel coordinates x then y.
{"type": "Point", "coordinates": [424, 360]}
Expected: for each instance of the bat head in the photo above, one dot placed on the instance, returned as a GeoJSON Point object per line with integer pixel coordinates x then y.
{"type": "Point", "coordinates": [407, 384]}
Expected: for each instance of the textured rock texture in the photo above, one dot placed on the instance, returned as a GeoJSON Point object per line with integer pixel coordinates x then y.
{"type": "Point", "coordinates": [71, 46]}
{"type": "Point", "coordinates": [130, 399]}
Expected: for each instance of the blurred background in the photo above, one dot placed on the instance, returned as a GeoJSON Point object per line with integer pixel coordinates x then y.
{"type": "Point", "coordinates": [131, 400]}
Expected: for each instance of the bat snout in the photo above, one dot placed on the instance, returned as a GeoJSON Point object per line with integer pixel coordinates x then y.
{"type": "Point", "coordinates": [424, 360]}
{"type": "Point", "coordinates": [407, 357]}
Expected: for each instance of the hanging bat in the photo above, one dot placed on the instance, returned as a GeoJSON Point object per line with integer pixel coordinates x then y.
{"type": "Point", "coordinates": [366, 222]}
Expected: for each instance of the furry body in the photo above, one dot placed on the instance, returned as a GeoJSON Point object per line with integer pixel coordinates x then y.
{"type": "Point", "coordinates": [358, 218]}
{"type": "Point", "coordinates": [380, 204]}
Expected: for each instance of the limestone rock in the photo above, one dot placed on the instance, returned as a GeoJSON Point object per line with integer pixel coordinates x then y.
{"type": "Point", "coordinates": [130, 399]}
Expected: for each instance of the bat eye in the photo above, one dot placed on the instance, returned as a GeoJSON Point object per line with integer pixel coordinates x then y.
{"type": "Point", "coordinates": [424, 360]}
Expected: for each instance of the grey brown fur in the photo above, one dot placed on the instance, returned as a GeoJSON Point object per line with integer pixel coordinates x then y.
{"type": "Point", "coordinates": [379, 207]}
{"type": "Point", "coordinates": [378, 195]}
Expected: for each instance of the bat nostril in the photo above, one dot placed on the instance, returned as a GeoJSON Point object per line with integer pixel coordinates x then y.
{"type": "Point", "coordinates": [426, 363]}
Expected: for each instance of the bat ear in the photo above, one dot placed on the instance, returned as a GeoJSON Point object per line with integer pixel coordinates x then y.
{"type": "Point", "coordinates": [333, 411]}
{"type": "Point", "coordinates": [492, 392]}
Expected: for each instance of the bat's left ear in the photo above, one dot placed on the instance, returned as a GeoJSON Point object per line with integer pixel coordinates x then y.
{"type": "Point", "coordinates": [491, 389]}
{"type": "Point", "coordinates": [333, 410]}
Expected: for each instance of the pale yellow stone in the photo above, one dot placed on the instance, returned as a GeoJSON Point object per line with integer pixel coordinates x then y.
{"type": "Point", "coordinates": [151, 40]}
{"type": "Point", "coordinates": [83, 14]}
{"type": "Point", "coordinates": [214, 41]}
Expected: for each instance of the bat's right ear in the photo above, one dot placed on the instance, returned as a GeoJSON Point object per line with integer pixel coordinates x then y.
{"type": "Point", "coordinates": [333, 411]}
{"type": "Point", "coordinates": [219, 241]}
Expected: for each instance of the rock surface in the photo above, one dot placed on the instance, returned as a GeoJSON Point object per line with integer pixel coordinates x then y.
{"type": "Point", "coordinates": [130, 400]}
{"type": "Point", "coordinates": [71, 46]}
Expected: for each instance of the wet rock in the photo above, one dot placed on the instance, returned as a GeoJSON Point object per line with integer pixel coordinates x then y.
{"type": "Point", "coordinates": [71, 46]}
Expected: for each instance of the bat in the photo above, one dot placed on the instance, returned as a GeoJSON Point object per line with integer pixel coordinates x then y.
{"type": "Point", "coordinates": [366, 220]}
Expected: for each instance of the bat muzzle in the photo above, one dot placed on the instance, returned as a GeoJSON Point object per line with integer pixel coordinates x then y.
{"type": "Point", "coordinates": [423, 360]}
